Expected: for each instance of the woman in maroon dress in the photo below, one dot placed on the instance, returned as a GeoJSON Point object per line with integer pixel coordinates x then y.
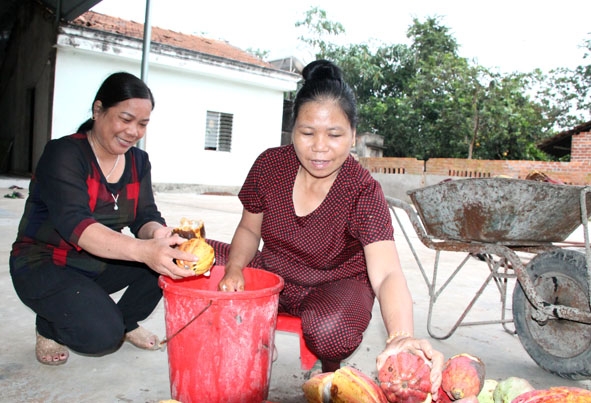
{"type": "Point", "coordinates": [326, 230]}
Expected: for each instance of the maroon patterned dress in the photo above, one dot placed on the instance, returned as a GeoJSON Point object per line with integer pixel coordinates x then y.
{"type": "Point", "coordinates": [320, 256]}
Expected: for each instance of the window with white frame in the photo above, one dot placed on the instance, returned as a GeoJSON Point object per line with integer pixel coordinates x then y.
{"type": "Point", "coordinates": [218, 131]}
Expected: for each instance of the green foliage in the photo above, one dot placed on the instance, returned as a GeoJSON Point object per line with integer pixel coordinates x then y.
{"type": "Point", "coordinates": [566, 93]}
{"type": "Point", "coordinates": [430, 38]}
{"type": "Point", "coordinates": [319, 27]}
{"type": "Point", "coordinates": [428, 102]}
{"type": "Point", "coordinates": [261, 54]}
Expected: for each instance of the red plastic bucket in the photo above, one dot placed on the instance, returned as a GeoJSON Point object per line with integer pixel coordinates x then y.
{"type": "Point", "coordinates": [224, 354]}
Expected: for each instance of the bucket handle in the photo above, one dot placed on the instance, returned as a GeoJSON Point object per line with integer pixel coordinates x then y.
{"type": "Point", "coordinates": [162, 344]}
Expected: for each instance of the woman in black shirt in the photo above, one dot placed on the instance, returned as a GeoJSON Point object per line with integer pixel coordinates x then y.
{"type": "Point", "coordinates": [70, 253]}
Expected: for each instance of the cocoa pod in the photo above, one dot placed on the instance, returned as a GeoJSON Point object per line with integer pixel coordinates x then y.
{"type": "Point", "coordinates": [509, 388]}
{"type": "Point", "coordinates": [462, 376]}
{"type": "Point", "coordinates": [345, 385]}
{"type": "Point", "coordinates": [406, 377]}
{"type": "Point", "coordinates": [317, 388]}
{"type": "Point", "coordinates": [558, 394]}
{"type": "Point", "coordinates": [349, 385]}
{"type": "Point", "coordinates": [194, 231]}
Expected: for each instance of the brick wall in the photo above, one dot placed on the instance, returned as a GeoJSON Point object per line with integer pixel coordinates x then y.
{"type": "Point", "coordinates": [575, 172]}
{"type": "Point", "coordinates": [387, 165]}
{"type": "Point", "coordinates": [581, 148]}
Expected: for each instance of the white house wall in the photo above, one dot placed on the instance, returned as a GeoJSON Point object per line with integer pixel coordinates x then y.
{"type": "Point", "coordinates": [176, 135]}
{"type": "Point", "coordinates": [78, 76]}
{"type": "Point", "coordinates": [183, 94]}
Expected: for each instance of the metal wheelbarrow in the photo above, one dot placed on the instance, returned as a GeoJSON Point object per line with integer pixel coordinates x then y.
{"type": "Point", "coordinates": [499, 220]}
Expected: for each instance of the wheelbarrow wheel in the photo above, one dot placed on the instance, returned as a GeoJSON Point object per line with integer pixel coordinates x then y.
{"type": "Point", "coordinates": [560, 346]}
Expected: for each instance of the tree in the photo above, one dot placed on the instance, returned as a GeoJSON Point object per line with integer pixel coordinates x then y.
{"type": "Point", "coordinates": [261, 54]}
{"type": "Point", "coordinates": [428, 102]}
{"type": "Point", "coordinates": [465, 110]}
{"type": "Point", "coordinates": [430, 39]}
{"type": "Point", "coordinates": [510, 122]}
{"type": "Point", "coordinates": [319, 27]}
{"type": "Point", "coordinates": [566, 93]}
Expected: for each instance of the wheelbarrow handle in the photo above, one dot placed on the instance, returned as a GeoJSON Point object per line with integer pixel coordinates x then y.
{"type": "Point", "coordinates": [418, 226]}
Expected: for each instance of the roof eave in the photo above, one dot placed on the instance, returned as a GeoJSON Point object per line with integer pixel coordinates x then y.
{"type": "Point", "coordinates": [117, 45]}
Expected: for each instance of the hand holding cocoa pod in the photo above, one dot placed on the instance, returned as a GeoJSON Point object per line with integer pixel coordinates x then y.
{"type": "Point", "coordinates": [420, 348]}
{"type": "Point", "coordinates": [194, 232]}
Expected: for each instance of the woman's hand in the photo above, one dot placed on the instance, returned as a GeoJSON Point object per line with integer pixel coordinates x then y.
{"type": "Point", "coordinates": [421, 348]}
{"type": "Point", "coordinates": [245, 243]}
{"type": "Point", "coordinates": [155, 246]}
{"type": "Point", "coordinates": [162, 232]}
{"type": "Point", "coordinates": [160, 253]}
{"type": "Point", "coordinates": [232, 281]}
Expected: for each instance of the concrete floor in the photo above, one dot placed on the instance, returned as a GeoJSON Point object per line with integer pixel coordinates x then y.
{"type": "Point", "coordinates": [134, 375]}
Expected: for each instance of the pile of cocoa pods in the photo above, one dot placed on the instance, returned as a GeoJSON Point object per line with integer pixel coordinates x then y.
{"type": "Point", "coordinates": [405, 378]}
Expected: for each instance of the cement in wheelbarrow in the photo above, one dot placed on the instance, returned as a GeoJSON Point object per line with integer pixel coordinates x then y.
{"type": "Point", "coordinates": [499, 210]}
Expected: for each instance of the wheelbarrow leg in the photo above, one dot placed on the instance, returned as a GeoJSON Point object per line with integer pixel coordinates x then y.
{"type": "Point", "coordinates": [439, 246]}
{"type": "Point", "coordinates": [501, 280]}
{"type": "Point", "coordinates": [436, 293]}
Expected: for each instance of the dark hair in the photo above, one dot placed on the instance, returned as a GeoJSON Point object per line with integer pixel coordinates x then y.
{"type": "Point", "coordinates": [118, 87]}
{"type": "Point", "coordinates": [323, 80]}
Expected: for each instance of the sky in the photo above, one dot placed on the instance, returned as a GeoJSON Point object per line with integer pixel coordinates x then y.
{"type": "Point", "coordinates": [504, 35]}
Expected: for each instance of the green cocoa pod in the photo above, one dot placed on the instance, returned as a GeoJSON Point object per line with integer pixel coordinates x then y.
{"type": "Point", "coordinates": [486, 394]}
{"type": "Point", "coordinates": [510, 388]}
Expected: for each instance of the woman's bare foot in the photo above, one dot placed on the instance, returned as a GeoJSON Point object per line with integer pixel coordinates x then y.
{"type": "Point", "coordinates": [143, 338]}
{"type": "Point", "coordinates": [50, 352]}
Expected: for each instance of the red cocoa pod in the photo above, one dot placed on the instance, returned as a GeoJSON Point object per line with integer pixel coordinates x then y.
{"type": "Point", "coordinates": [462, 376]}
{"type": "Point", "coordinates": [558, 394]}
{"type": "Point", "coordinates": [442, 397]}
{"type": "Point", "coordinates": [405, 378]}
{"type": "Point", "coordinates": [349, 385]}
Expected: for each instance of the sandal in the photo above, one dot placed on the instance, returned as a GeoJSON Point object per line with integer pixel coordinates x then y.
{"type": "Point", "coordinates": [142, 338]}
{"type": "Point", "coordinates": [50, 352]}
{"type": "Point", "coordinates": [315, 370]}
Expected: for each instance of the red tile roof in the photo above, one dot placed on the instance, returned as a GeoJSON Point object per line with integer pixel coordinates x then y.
{"type": "Point", "coordinates": [133, 29]}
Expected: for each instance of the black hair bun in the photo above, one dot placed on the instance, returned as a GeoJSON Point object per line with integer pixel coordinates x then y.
{"type": "Point", "coordinates": [322, 70]}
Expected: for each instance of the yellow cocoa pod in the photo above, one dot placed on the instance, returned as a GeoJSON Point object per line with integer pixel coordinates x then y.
{"type": "Point", "coordinates": [194, 231]}
{"type": "Point", "coordinates": [201, 249]}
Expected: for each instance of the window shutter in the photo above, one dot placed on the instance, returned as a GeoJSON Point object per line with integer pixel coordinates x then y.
{"type": "Point", "coordinates": [218, 131]}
